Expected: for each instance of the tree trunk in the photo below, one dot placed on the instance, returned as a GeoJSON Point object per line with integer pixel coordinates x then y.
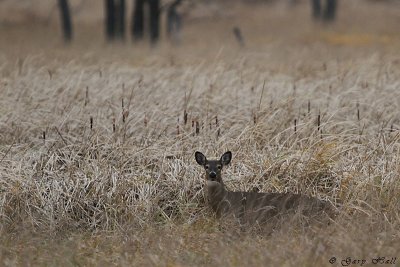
{"type": "Point", "coordinates": [138, 20]}
{"type": "Point", "coordinates": [110, 19]}
{"type": "Point", "coordinates": [154, 20]}
{"type": "Point", "coordinates": [174, 21]}
{"type": "Point", "coordinates": [120, 19]}
{"type": "Point", "coordinates": [65, 20]}
{"type": "Point", "coordinates": [316, 8]}
{"type": "Point", "coordinates": [330, 10]}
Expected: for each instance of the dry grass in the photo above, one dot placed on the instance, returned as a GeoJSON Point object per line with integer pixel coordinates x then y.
{"type": "Point", "coordinates": [97, 163]}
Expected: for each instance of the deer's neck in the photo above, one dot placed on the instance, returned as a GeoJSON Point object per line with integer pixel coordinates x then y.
{"type": "Point", "coordinates": [216, 194]}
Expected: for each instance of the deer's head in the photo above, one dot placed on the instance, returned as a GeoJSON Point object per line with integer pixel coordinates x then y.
{"type": "Point", "coordinates": [213, 167]}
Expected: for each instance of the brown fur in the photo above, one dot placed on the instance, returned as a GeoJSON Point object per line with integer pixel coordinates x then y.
{"type": "Point", "coordinates": [254, 207]}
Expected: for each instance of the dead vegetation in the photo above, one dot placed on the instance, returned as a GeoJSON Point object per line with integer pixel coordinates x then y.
{"type": "Point", "coordinates": [97, 152]}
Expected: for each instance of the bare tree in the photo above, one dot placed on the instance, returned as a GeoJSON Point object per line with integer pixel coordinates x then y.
{"type": "Point", "coordinates": [115, 19]}
{"type": "Point", "coordinates": [65, 20]}
{"type": "Point", "coordinates": [316, 8]}
{"type": "Point", "coordinates": [330, 10]}
{"type": "Point", "coordinates": [326, 12]}
{"type": "Point", "coordinates": [110, 19]}
{"type": "Point", "coordinates": [154, 20]}
{"type": "Point", "coordinates": [138, 19]}
{"type": "Point", "coordinates": [174, 21]}
{"type": "Point", "coordinates": [120, 19]}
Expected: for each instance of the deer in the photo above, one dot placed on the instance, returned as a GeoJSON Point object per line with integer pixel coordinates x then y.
{"type": "Point", "coordinates": [255, 207]}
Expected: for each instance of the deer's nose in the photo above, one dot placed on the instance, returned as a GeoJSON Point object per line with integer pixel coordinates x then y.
{"type": "Point", "coordinates": [213, 175]}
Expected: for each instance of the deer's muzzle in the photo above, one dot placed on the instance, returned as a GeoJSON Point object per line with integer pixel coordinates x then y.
{"type": "Point", "coordinates": [212, 175]}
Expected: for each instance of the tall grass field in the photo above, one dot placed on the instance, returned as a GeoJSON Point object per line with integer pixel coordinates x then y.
{"type": "Point", "coordinates": [97, 140]}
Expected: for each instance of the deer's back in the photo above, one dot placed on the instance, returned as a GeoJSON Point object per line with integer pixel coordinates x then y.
{"type": "Point", "coordinates": [261, 207]}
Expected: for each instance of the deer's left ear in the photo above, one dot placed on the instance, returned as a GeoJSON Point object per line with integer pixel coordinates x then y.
{"type": "Point", "coordinates": [226, 158]}
{"type": "Point", "coordinates": [200, 158]}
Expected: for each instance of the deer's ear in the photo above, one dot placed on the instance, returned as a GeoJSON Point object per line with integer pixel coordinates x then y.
{"type": "Point", "coordinates": [226, 158]}
{"type": "Point", "coordinates": [200, 158]}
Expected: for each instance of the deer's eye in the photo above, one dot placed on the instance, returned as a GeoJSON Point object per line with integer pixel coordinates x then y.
{"type": "Point", "coordinates": [219, 167]}
{"type": "Point", "coordinates": [206, 167]}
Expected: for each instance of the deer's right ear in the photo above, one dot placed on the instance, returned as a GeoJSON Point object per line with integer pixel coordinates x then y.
{"type": "Point", "coordinates": [200, 158]}
{"type": "Point", "coordinates": [226, 158]}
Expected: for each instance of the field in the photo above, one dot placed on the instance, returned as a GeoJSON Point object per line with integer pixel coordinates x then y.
{"type": "Point", "coordinates": [97, 157]}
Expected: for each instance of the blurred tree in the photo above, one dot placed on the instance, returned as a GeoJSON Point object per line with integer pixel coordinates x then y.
{"type": "Point", "coordinates": [174, 21]}
{"type": "Point", "coordinates": [110, 19]}
{"type": "Point", "coordinates": [154, 20]}
{"type": "Point", "coordinates": [120, 19]}
{"type": "Point", "coordinates": [330, 10]}
{"type": "Point", "coordinates": [316, 8]}
{"type": "Point", "coordinates": [65, 19]}
{"type": "Point", "coordinates": [138, 19]}
{"type": "Point", "coordinates": [115, 19]}
{"type": "Point", "coordinates": [327, 13]}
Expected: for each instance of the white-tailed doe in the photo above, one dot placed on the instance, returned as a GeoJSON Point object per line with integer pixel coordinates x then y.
{"type": "Point", "coordinates": [254, 207]}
